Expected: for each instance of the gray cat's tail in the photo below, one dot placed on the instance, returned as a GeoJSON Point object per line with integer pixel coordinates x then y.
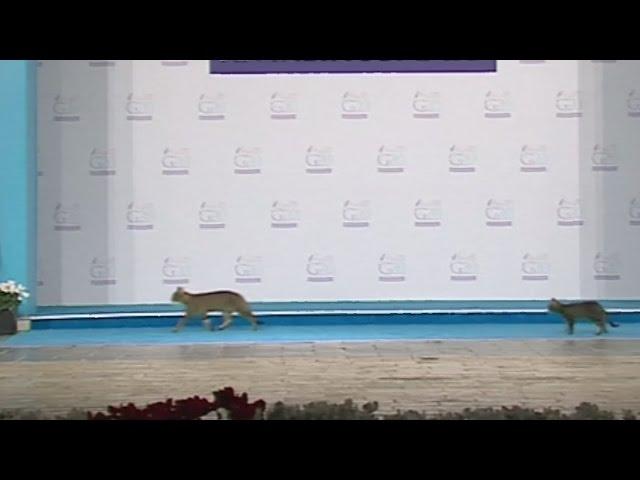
{"type": "Point", "coordinates": [614, 325]}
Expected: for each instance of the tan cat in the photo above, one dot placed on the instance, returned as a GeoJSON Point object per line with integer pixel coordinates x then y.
{"type": "Point", "coordinates": [200, 304]}
{"type": "Point", "coordinates": [589, 310]}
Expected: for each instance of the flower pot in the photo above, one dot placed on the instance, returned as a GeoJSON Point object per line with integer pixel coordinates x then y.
{"type": "Point", "coordinates": [8, 322]}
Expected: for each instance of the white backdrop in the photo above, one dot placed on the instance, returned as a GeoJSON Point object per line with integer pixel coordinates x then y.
{"type": "Point", "coordinates": [523, 184]}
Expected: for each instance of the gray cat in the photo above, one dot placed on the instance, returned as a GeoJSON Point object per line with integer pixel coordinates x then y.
{"type": "Point", "coordinates": [592, 311]}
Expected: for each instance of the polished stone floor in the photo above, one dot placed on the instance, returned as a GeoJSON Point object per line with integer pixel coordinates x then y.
{"type": "Point", "coordinates": [431, 376]}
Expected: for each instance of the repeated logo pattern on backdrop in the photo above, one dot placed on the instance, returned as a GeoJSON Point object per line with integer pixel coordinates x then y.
{"type": "Point", "coordinates": [516, 184]}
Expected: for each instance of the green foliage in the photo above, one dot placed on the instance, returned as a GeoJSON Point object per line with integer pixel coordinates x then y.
{"type": "Point", "coordinates": [20, 414]}
{"type": "Point", "coordinates": [323, 411]}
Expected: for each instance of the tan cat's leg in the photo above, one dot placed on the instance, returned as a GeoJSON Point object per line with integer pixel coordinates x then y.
{"type": "Point", "coordinates": [228, 318]}
{"type": "Point", "coordinates": [206, 321]}
{"type": "Point", "coordinates": [181, 323]}
{"type": "Point", "coordinates": [249, 316]}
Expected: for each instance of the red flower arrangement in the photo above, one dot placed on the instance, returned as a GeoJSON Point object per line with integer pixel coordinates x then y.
{"type": "Point", "coordinates": [192, 408]}
{"type": "Point", "coordinates": [238, 407]}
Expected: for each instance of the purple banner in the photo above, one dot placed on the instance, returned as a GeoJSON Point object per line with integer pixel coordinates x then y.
{"type": "Point", "coordinates": [253, 67]}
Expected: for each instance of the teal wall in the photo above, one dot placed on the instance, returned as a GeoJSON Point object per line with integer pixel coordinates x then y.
{"type": "Point", "coordinates": [18, 176]}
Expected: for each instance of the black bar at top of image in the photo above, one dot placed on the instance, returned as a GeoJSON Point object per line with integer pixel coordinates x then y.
{"type": "Point", "coordinates": [231, 67]}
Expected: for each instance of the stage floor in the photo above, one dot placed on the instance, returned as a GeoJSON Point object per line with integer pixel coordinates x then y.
{"type": "Point", "coordinates": [240, 333]}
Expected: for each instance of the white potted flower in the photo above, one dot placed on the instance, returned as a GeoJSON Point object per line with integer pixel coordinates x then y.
{"type": "Point", "coordinates": [11, 296]}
